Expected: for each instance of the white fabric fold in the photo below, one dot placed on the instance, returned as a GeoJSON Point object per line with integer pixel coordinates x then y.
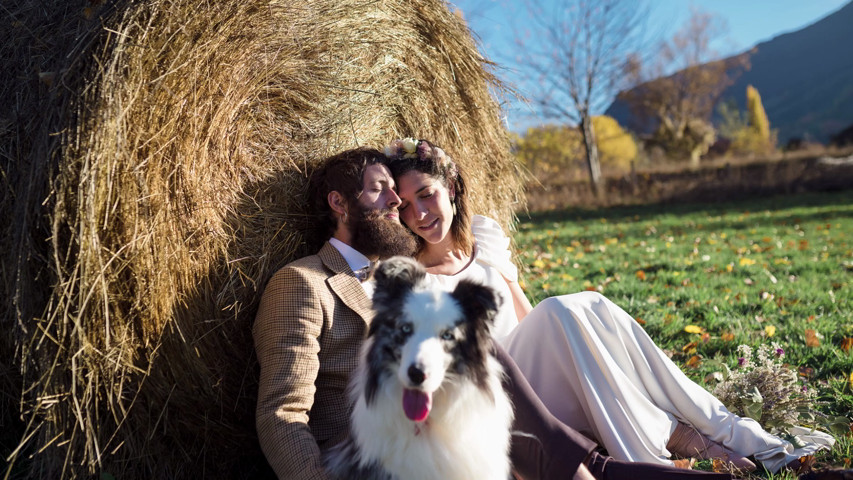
{"type": "Point", "coordinates": [598, 371]}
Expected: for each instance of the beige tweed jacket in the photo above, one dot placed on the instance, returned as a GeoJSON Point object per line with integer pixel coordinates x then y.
{"type": "Point", "coordinates": [312, 319]}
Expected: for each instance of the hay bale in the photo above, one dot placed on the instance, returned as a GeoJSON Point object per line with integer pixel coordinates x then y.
{"type": "Point", "coordinates": [154, 156]}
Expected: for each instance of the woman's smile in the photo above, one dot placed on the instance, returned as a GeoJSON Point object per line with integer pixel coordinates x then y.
{"type": "Point", "coordinates": [429, 226]}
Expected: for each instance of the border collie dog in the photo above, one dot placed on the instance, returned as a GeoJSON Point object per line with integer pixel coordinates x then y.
{"type": "Point", "coordinates": [427, 398]}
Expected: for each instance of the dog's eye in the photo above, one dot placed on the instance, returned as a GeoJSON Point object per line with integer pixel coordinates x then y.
{"type": "Point", "coordinates": [447, 335]}
{"type": "Point", "coordinates": [406, 328]}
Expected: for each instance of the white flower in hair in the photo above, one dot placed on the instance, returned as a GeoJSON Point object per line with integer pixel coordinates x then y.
{"type": "Point", "coordinates": [410, 146]}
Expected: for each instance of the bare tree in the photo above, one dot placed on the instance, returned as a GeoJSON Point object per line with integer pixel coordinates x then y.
{"type": "Point", "coordinates": [575, 63]}
{"type": "Point", "coordinates": [678, 106]}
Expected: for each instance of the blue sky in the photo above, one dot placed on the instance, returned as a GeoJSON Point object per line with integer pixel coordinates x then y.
{"type": "Point", "coordinates": [748, 23]}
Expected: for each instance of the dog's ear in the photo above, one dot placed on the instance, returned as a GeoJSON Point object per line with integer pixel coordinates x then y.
{"type": "Point", "coordinates": [479, 305]}
{"type": "Point", "coordinates": [396, 276]}
{"type": "Point", "coordinates": [477, 300]}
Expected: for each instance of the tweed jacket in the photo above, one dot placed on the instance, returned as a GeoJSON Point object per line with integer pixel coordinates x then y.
{"type": "Point", "coordinates": [312, 319]}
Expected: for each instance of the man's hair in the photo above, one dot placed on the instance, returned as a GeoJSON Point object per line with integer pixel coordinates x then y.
{"type": "Point", "coordinates": [343, 173]}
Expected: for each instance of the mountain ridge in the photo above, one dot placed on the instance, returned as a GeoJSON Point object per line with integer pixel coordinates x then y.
{"type": "Point", "coordinates": [805, 79]}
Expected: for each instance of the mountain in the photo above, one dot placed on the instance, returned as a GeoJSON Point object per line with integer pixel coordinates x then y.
{"type": "Point", "coordinates": [805, 79]}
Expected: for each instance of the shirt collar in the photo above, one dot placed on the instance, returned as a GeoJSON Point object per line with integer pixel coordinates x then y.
{"type": "Point", "coordinates": [354, 258]}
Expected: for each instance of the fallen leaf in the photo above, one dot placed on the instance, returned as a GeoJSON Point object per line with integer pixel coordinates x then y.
{"type": "Point", "coordinates": [846, 343]}
{"type": "Point", "coordinates": [728, 337]}
{"type": "Point", "coordinates": [806, 464]}
{"type": "Point", "coordinates": [811, 338]}
{"type": "Point", "coordinates": [693, 329]}
{"type": "Point", "coordinates": [689, 348]}
{"type": "Point", "coordinates": [770, 330]}
{"type": "Point", "coordinates": [720, 466]}
{"type": "Point", "coordinates": [641, 275]}
{"type": "Point", "coordinates": [640, 321]}
{"type": "Point", "coordinates": [694, 361]}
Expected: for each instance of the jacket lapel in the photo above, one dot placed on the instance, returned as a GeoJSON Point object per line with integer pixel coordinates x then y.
{"type": "Point", "coordinates": [344, 284]}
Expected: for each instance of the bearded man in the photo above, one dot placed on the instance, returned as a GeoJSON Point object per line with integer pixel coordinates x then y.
{"type": "Point", "coordinates": [314, 315]}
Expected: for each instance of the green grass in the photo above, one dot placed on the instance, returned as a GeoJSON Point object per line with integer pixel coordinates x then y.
{"type": "Point", "coordinates": [777, 269]}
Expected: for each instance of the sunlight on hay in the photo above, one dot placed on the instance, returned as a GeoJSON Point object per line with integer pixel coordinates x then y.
{"type": "Point", "coordinates": [154, 156]}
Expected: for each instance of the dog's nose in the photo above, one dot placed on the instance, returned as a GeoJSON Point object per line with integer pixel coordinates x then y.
{"type": "Point", "coordinates": [416, 375]}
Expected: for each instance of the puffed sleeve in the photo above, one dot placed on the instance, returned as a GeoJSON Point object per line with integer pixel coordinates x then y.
{"type": "Point", "coordinates": [493, 246]}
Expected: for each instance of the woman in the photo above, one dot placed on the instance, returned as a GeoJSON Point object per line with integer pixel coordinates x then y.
{"type": "Point", "coordinates": [591, 364]}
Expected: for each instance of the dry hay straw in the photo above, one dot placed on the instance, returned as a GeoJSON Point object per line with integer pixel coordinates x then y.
{"type": "Point", "coordinates": [153, 162]}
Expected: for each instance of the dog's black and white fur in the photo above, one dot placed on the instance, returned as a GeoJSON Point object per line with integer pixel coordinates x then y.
{"type": "Point", "coordinates": [436, 345]}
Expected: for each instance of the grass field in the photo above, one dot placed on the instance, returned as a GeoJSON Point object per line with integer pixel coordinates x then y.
{"type": "Point", "coordinates": [705, 278]}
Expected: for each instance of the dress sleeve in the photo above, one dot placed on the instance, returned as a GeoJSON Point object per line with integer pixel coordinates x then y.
{"type": "Point", "coordinates": [493, 246]}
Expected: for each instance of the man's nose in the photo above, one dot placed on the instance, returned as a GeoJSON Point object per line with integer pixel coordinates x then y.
{"type": "Point", "coordinates": [393, 199]}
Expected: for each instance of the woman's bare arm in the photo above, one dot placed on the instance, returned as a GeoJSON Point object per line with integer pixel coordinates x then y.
{"type": "Point", "coordinates": [519, 300]}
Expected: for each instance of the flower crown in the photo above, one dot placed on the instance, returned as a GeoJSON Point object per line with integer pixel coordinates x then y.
{"type": "Point", "coordinates": [422, 150]}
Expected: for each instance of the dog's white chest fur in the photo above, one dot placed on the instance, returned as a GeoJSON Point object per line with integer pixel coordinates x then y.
{"type": "Point", "coordinates": [465, 437]}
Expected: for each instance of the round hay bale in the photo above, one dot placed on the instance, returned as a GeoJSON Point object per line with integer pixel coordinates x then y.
{"type": "Point", "coordinates": [154, 156]}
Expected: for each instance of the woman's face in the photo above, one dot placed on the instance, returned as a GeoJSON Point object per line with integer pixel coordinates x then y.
{"type": "Point", "coordinates": [426, 208]}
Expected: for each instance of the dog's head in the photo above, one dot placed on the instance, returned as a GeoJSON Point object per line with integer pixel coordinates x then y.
{"type": "Point", "coordinates": [425, 336]}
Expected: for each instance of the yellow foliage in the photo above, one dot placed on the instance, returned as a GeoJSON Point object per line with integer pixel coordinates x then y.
{"type": "Point", "coordinates": [615, 146]}
{"type": "Point", "coordinates": [549, 149]}
{"type": "Point", "coordinates": [757, 116]}
{"type": "Point", "coordinates": [755, 136]}
{"type": "Point", "coordinates": [554, 148]}
{"type": "Point", "coordinates": [693, 329]}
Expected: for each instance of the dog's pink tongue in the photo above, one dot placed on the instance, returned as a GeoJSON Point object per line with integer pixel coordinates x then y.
{"type": "Point", "coordinates": [416, 404]}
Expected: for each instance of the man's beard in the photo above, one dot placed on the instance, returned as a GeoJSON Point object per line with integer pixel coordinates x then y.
{"type": "Point", "coordinates": [373, 234]}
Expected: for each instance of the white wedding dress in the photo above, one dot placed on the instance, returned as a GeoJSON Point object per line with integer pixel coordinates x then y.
{"type": "Point", "coordinates": [598, 371]}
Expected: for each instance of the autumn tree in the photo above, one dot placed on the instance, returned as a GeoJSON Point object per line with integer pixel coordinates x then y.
{"type": "Point", "coordinates": [549, 150]}
{"type": "Point", "coordinates": [558, 149]}
{"type": "Point", "coordinates": [617, 147]}
{"type": "Point", "coordinates": [754, 134]}
{"type": "Point", "coordinates": [574, 66]}
{"type": "Point", "coordinates": [678, 106]}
